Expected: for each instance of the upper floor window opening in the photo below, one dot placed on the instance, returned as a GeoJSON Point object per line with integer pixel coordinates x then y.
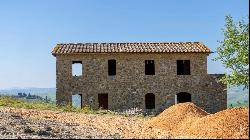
{"type": "Point", "coordinates": [77, 68]}
{"type": "Point", "coordinates": [183, 67]}
{"type": "Point", "coordinates": [149, 67]}
{"type": "Point", "coordinates": [111, 67]}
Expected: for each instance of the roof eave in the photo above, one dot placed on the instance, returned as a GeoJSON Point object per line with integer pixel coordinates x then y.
{"type": "Point", "coordinates": [55, 54]}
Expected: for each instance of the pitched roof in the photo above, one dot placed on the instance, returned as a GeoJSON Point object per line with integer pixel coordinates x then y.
{"type": "Point", "coordinates": [171, 47]}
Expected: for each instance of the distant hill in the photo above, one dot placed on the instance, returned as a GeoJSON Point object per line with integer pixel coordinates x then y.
{"type": "Point", "coordinates": [43, 92]}
{"type": "Point", "coordinates": [234, 94]}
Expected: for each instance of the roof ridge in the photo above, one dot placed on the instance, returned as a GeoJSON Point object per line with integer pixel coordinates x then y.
{"type": "Point", "coordinates": [137, 47]}
{"type": "Point", "coordinates": [129, 42]}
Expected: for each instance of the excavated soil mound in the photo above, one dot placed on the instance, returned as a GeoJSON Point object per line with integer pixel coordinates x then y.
{"type": "Point", "coordinates": [230, 123]}
{"type": "Point", "coordinates": [174, 116]}
{"type": "Point", "coordinates": [186, 119]}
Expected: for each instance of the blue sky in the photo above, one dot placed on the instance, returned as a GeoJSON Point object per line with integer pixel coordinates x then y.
{"type": "Point", "coordinates": [29, 29]}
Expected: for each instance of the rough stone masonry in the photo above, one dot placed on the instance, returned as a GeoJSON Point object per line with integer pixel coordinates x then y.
{"type": "Point", "coordinates": [146, 76]}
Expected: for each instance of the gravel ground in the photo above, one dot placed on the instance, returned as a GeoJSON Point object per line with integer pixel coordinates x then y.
{"type": "Point", "coordinates": [14, 126]}
{"type": "Point", "coordinates": [180, 121]}
{"type": "Point", "coordinates": [37, 124]}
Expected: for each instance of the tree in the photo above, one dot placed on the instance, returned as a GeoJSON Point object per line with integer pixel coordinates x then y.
{"type": "Point", "coordinates": [233, 52]}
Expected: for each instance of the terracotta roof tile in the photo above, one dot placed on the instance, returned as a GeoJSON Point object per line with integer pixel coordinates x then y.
{"type": "Point", "coordinates": [172, 47]}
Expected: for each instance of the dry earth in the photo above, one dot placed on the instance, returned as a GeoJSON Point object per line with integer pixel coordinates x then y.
{"type": "Point", "coordinates": [184, 120]}
{"type": "Point", "coordinates": [26, 123]}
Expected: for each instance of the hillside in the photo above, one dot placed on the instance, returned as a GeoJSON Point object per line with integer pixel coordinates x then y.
{"type": "Point", "coordinates": [43, 92]}
{"type": "Point", "coordinates": [237, 96]}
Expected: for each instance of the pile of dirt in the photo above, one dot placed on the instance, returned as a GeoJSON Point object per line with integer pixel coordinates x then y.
{"type": "Point", "coordinates": [173, 117]}
{"type": "Point", "coordinates": [186, 119]}
{"type": "Point", "coordinates": [226, 124]}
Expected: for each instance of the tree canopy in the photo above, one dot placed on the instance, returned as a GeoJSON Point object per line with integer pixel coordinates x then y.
{"type": "Point", "coordinates": [233, 52]}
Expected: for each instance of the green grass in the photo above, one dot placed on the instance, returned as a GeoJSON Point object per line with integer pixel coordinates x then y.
{"type": "Point", "coordinates": [6, 101]}
{"type": "Point", "coordinates": [19, 103]}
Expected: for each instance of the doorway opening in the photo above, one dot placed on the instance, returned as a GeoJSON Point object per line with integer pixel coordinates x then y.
{"type": "Point", "coordinates": [150, 101]}
{"type": "Point", "coordinates": [103, 101]}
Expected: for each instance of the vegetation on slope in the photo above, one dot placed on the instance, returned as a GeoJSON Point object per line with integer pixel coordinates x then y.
{"type": "Point", "coordinates": [18, 103]}
{"type": "Point", "coordinates": [7, 101]}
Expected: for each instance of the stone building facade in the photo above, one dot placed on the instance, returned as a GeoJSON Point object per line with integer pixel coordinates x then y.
{"type": "Point", "coordinates": [147, 76]}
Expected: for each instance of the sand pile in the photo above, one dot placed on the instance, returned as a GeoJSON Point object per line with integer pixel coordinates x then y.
{"type": "Point", "coordinates": [186, 119]}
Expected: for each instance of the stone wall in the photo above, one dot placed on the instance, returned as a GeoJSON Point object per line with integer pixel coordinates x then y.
{"type": "Point", "coordinates": [130, 85]}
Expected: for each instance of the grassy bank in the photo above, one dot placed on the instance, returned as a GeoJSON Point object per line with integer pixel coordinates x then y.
{"type": "Point", "coordinates": [18, 103]}
{"type": "Point", "coordinates": [6, 101]}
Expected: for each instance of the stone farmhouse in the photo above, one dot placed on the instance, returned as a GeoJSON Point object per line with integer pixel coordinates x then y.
{"type": "Point", "coordinates": [146, 76]}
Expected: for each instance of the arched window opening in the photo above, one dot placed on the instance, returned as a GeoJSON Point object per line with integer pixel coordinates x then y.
{"type": "Point", "coordinates": [183, 97]}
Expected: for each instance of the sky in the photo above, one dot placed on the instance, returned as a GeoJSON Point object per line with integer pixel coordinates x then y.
{"type": "Point", "coordinates": [29, 29]}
